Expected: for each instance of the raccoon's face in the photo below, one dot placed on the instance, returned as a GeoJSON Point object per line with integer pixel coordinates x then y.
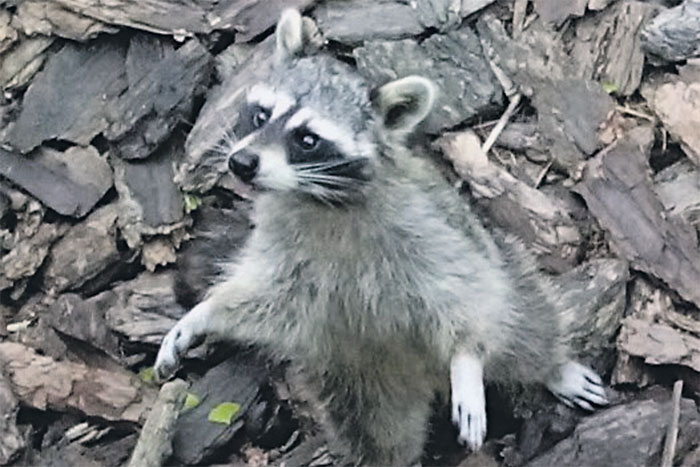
{"type": "Point", "coordinates": [312, 128]}
{"type": "Point", "coordinates": [288, 145]}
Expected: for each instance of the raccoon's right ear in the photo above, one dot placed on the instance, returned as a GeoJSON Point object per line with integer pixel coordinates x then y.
{"type": "Point", "coordinates": [289, 34]}
{"type": "Point", "coordinates": [405, 102]}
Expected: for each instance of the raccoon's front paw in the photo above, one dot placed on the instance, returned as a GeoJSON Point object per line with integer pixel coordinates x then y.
{"type": "Point", "coordinates": [175, 344]}
{"type": "Point", "coordinates": [579, 385]}
{"type": "Point", "coordinates": [468, 401]}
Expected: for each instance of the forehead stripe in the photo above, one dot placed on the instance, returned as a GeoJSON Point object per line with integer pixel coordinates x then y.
{"type": "Point", "coordinates": [278, 103]}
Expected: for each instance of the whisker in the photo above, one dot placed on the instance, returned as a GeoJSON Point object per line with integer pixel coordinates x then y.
{"type": "Point", "coordinates": [328, 179]}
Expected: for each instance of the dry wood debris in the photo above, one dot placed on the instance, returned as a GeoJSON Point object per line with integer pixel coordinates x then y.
{"type": "Point", "coordinates": [573, 125]}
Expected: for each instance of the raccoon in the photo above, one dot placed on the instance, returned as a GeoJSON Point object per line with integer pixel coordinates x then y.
{"type": "Point", "coordinates": [369, 271]}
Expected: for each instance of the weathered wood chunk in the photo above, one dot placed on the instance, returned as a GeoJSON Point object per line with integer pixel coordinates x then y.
{"type": "Point", "coordinates": [594, 298]}
{"type": "Point", "coordinates": [149, 200]}
{"type": "Point", "coordinates": [618, 191]}
{"type": "Point", "coordinates": [28, 245]}
{"type": "Point", "coordinates": [44, 383]}
{"type": "Point", "coordinates": [626, 435]}
{"type": "Point", "coordinates": [197, 437]}
{"type": "Point", "coordinates": [361, 20]}
{"type": "Point", "coordinates": [11, 440]}
{"type": "Point", "coordinates": [555, 11]}
{"type": "Point", "coordinates": [162, 83]}
{"type": "Point", "coordinates": [570, 113]}
{"type": "Point", "coordinates": [674, 34]}
{"type": "Point", "coordinates": [35, 17]}
{"type": "Point", "coordinates": [155, 442]}
{"type": "Point", "coordinates": [453, 60]}
{"type": "Point", "coordinates": [143, 309]}
{"type": "Point", "coordinates": [55, 108]}
{"type": "Point", "coordinates": [608, 46]}
{"type": "Point", "coordinates": [69, 182]}
{"type": "Point", "coordinates": [544, 223]}
{"type": "Point", "coordinates": [677, 104]}
{"type": "Point", "coordinates": [86, 250]}
{"type": "Point", "coordinates": [183, 18]}
{"type": "Point", "coordinates": [22, 61]}
{"type": "Point", "coordinates": [85, 320]}
{"type": "Point", "coordinates": [678, 189]}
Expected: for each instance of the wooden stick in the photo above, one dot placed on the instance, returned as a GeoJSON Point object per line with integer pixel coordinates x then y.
{"type": "Point", "coordinates": [155, 442]}
{"type": "Point", "coordinates": [672, 430]}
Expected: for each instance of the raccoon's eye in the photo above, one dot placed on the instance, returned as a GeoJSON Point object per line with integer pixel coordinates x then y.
{"type": "Point", "coordinates": [306, 141]}
{"type": "Point", "coordinates": [260, 117]}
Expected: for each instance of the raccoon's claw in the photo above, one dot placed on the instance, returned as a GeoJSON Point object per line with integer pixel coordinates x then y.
{"type": "Point", "coordinates": [174, 346]}
{"type": "Point", "coordinates": [579, 386]}
{"type": "Point", "coordinates": [470, 417]}
{"type": "Point", "coordinates": [468, 401]}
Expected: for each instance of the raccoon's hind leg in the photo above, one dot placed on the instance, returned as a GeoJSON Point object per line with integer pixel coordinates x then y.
{"type": "Point", "coordinates": [576, 384]}
{"type": "Point", "coordinates": [468, 399]}
{"type": "Point", "coordinates": [375, 420]}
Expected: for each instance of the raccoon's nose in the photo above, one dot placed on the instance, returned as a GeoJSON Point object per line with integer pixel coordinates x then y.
{"type": "Point", "coordinates": [244, 164]}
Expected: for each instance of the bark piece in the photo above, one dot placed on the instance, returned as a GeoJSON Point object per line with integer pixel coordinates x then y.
{"type": "Point", "coordinates": [44, 383]}
{"type": "Point", "coordinates": [196, 437]}
{"type": "Point", "coordinates": [677, 104]}
{"type": "Point", "coordinates": [54, 107]}
{"type": "Point", "coordinates": [35, 17]}
{"type": "Point", "coordinates": [360, 20]}
{"type": "Point", "coordinates": [625, 435]}
{"type": "Point", "coordinates": [555, 11]}
{"type": "Point", "coordinates": [85, 320]}
{"type": "Point", "coordinates": [608, 46]}
{"type": "Point", "coordinates": [86, 250]}
{"type": "Point", "coordinates": [657, 334]}
{"type": "Point", "coordinates": [618, 191]}
{"type": "Point", "coordinates": [599, 4]}
{"type": "Point", "coordinates": [542, 222]}
{"type": "Point", "coordinates": [69, 182]}
{"type": "Point", "coordinates": [29, 245]}
{"type": "Point", "coordinates": [19, 63]}
{"type": "Point", "coordinates": [155, 442]}
{"type": "Point", "coordinates": [149, 200]}
{"type": "Point", "coordinates": [162, 84]}
{"type": "Point", "coordinates": [454, 61]}
{"type": "Point", "coordinates": [570, 113]}
{"type": "Point", "coordinates": [8, 35]}
{"type": "Point", "coordinates": [143, 309]}
{"type": "Point", "coordinates": [570, 109]}
{"type": "Point", "coordinates": [11, 440]}
{"type": "Point", "coordinates": [594, 297]}
{"type": "Point", "coordinates": [674, 34]}
{"type": "Point", "coordinates": [182, 18]}
{"type": "Point", "coordinates": [678, 189]}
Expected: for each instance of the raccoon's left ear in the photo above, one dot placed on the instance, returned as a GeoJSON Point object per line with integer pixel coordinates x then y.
{"type": "Point", "coordinates": [289, 34]}
{"type": "Point", "coordinates": [404, 103]}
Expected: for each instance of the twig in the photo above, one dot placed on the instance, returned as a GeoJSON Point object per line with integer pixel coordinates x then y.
{"type": "Point", "coordinates": [543, 173]}
{"type": "Point", "coordinates": [634, 113]}
{"type": "Point", "coordinates": [502, 122]}
{"type": "Point", "coordinates": [154, 445]}
{"type": "Point", "coordinates": [672, 430]}
{"type": "Point", "coordinates": [512, 92]}
{"type": "Point", "coordinates": [519, 12]}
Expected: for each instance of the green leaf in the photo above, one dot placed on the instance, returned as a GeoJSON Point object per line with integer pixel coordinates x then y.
{"type": "Point", "coordinates": [224, 413]}
{"type": "Point", "coordinates": [192, 202]}
{"type": "Point", "coordinates": [147, 374]}
{"type": "Point", "coordinates": [610, 87]}
{"type": "Point", "coordinates": [191, 401]}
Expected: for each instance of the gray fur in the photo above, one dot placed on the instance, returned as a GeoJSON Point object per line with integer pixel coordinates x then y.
{"type": "Point", "coordinates": [374, 297]}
